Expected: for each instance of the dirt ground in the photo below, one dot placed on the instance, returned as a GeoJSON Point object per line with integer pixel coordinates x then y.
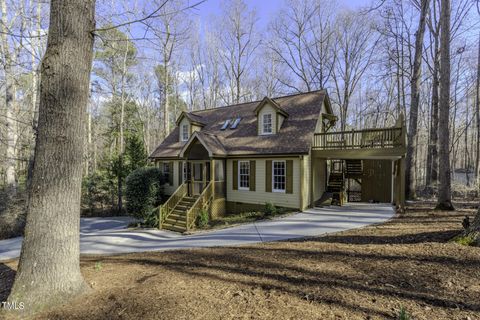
{"type": "Point", "coordinates": [369, 273]}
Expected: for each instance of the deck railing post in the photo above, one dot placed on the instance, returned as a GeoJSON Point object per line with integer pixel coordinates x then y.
{"type": "Point", "coordinates": [352, 143]}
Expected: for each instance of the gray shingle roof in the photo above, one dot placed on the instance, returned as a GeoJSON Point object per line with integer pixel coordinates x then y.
{"type": "Point", "coordinates": [197, 119]}
{"type": "Point", "coordinates": [294, 137]}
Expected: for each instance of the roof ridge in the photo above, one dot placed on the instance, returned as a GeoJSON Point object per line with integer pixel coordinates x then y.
{"type": "Point", "coordinates": [238, 104]}
{"type": "Point", "coordinates": [206, 132]}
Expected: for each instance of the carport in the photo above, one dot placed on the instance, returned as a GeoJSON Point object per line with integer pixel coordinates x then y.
{"type": "Point", "coordinates": [360, 165]}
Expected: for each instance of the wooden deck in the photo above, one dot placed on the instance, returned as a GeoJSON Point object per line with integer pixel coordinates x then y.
{"type": "Point", "coordinates": [360, 139]}
{"type": "Point", "coordinates": [366, 143]}
{"type": "Point", "coordinates": [381, 144]}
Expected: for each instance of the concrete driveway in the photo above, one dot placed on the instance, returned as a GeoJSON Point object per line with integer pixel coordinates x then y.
{"type": "Point", "coordinates": [110, 236]}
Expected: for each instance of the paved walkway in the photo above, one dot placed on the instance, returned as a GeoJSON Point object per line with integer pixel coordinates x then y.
{"type": "Point", "coordinates": [109, 236]}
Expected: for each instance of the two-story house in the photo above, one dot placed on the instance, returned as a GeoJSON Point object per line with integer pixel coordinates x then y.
{"type": "Point", "coordinates": [280, 150]}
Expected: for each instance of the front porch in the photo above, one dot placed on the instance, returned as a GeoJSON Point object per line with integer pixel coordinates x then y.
{"type": "Point", "coordinates": [201, 188]}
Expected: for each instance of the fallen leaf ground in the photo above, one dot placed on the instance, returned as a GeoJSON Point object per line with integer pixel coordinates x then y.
{"type": "Point", "coordinates": [369, 273]}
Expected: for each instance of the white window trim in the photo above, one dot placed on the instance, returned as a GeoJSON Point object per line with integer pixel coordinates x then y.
{"type": "Point", "coordinates": [182, 132]}
{"type": "Point", "coordinates": [273, 176]}
{"type": "Point", "coordinates": [238, 176]}
{"type": "Point", "coordinates": [263, 124]}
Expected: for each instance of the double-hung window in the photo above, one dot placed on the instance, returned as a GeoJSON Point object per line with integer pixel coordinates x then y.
{"type": "Point", "coordinates": [279, 176]}
{"type": "Point", "coordinates": [267, 124]}
{"type": "Point", "coordinates": [185, 133]}
{"type": "Point", "coordinates": [166, 172]}
{"type": "Point", "coordinates": [243, 175]}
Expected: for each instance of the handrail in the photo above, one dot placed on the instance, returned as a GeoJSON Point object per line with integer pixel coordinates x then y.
{"type": "Point", "coordinates": [202, 202]}
{"type": "Point", "coordinates": [357, 139]}
{"type": "Point", "coordinates": [165, 209]}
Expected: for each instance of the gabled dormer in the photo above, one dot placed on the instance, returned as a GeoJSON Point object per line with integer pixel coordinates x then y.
{"type": "Point", "coordinates": [188, 123]}
{"type": "Point", "coordinates": [270, 117]}
{"type": "Point", "coordinates": [327, 119]}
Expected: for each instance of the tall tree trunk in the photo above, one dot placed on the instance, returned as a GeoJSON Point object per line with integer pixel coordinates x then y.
{"type": "Point", "coordinates": [466, 155]}
{"type": "Point", "coordinates": [432, 157]}
{"type": "Point", "coordinates": [35, 66]}
{"type": "Point", "coordinates": [444, 184]}
{"type": "Point", "coordinates": [166, 112]}
{"type": "Point", "coordinates": [11, 128]}
{"type": "Point", "coordinates": [414, 102]}
{"type": "Point", "coordinates": [474, 230]}
{"type": "Point", "coordinates": [11, 125]}
{"type": "Point", "coordinates": [35, 87]}
{"type": "Point", "coordinates": [477, 115]}
{"type": "Point", "coordinates": [49, 268]}
{"type": "Point", "coordinates": [432, 162]}
{"type": "Point", "coordinates": [166, 61]}
{"type": "Point", "coordinates": [122, 133]}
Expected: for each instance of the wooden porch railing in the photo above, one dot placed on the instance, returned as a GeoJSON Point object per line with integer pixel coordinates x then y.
{"type": "Point", "coordinates": [165, 209]}
{"type": "Point", "coordinates": [202, 203]}
{"type": "Point", "coordinates": [359, 139]}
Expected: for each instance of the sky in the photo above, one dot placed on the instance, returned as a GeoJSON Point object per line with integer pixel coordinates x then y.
{"type": "Point", "coordinates": [265, 8]}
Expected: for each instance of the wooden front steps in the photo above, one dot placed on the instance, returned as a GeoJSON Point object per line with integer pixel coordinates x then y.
{"type": "Point", "coordinates": [177, 219]}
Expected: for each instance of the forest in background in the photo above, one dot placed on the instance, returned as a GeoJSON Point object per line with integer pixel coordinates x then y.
{"type": "Point", "coordinates": [144, 74]}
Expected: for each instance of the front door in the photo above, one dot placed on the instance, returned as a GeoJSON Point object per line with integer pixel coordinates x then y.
{"type": "Point", "coordinates": [197, 178]}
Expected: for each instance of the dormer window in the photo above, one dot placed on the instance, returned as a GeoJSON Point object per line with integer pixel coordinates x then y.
{"type": "Point", "coordinates": [267, 124]}
{"type": "Point", "coordinates": [187, 123]}
{"type": "Point", "coordinates": [185, 132]}
{"type": "Point", "coordinates": [270, 117]}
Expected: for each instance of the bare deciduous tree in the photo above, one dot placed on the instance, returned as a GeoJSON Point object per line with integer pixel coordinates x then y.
{"type": "Point", "coordinates": [237, 31]}
{"type": "Point", "coordinates": [169, 30]}
{"type": "Point", "coordinates": [477, 115]}
{"type": "Point", "coordinates": [49, 268]}
{"type": "Point", "coordinates": [415, 100]}
{"type": "Point", "coordinates": [432, 153]}
{"type": "Point", "coordinates": [444, 186]}
{"type": "Point", "coordinates": [8, 63]}
{"type": "Point", "coordinates": [302, 37]}
{"type": "Point", "coordinates": [354, 50]}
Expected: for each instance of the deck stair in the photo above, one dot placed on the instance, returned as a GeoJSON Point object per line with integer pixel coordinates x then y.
{"type": "Point", "coordinates": [177, 219]}
{"type": "Point", "coordinates": [336, 182]}
{"type": "Point", "coordinates": [353, 169]}
{"type": "Point", "coordinates": [336, 187]}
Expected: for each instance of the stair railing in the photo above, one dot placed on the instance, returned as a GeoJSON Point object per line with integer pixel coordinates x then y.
{"type": "Point", "coordinates": [165, 209]}
{"type": "Point", "coordinates": [202, 203]}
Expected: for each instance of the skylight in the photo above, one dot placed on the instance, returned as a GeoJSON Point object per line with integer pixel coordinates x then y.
{"type": "Point", "coordinates": [235, 123]}
{"type": "Point", "coordinates": [225, 125]}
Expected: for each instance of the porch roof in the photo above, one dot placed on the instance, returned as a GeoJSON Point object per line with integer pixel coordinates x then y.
{"type": "Point", "coordinates": [209, 141]}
